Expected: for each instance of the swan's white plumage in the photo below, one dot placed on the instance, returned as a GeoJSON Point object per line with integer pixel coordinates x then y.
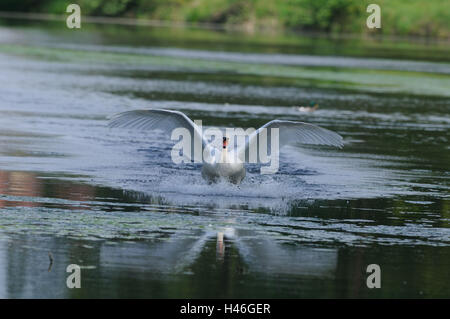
{"type": "Point", "coordinates": [157, 119]}
{"type": "Point", "coordinates": [290, 133]}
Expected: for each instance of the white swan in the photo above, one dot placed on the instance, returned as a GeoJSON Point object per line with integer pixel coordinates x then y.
{"type": "Point", "coordinates": [226, 163]}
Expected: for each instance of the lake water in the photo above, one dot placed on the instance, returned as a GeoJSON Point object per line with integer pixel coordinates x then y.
{"type": "Point", "coordinates": [112, 201]}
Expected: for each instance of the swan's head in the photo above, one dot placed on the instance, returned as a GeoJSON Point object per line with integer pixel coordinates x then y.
{"type": "Point", "coordinates": [225, 142]}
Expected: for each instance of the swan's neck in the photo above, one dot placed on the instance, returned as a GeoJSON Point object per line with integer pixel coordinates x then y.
{"type": "Point", "coordinates": [224, 156]}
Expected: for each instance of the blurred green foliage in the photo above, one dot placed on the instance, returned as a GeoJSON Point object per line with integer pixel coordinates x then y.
{"type": "Point", "coordinates": [399, 17]}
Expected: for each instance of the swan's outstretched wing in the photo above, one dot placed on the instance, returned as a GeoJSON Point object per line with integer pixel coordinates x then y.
{"type": "Point", "coordinates": [291, 133]}
{"type": "Point", "coordinates": [156, 119]}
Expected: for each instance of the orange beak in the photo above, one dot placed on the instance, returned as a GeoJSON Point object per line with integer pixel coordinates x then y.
{"type": "Point", "coordinates": [225, 142]}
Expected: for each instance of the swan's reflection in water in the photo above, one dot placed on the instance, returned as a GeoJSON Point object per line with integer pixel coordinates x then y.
{"type": "Point", "coordinates": [220, 247]}
{"type": "Point", "coordinates": [141, 246]}
{"type": "Point", "coordinates": [207, 254]}
{"type": "Point", "coordinates": [256, 254]}
{"type": "Point", "coordinates": [203, 264]}
{"type": "Point", "coordinates": [264, 255]}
